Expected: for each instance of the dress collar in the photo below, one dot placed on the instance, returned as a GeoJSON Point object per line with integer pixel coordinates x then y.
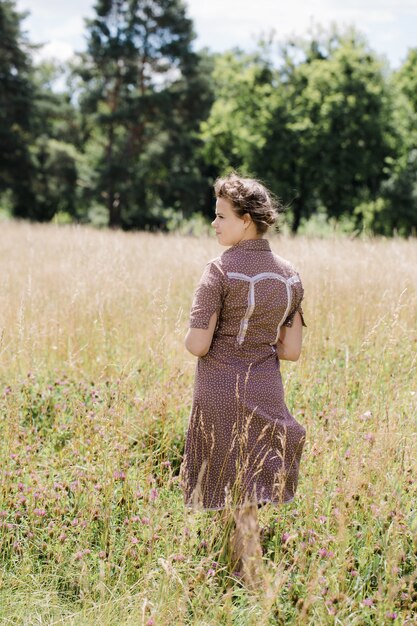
{"type": "Point", "coordinates": [251, 244]}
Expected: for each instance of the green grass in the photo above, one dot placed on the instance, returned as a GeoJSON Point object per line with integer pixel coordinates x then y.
{"type": "Point", "coordinates": [95, 392]}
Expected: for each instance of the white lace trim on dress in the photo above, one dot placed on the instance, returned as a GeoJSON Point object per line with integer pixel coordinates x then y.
{"type": "Point", "coordinates": [252, 280]}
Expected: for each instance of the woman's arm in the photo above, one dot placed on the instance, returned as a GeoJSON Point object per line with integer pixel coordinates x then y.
{"type": "Point", "coordinates": [198, 340]}
{"type": "Point", "coordinates": [290, 340]}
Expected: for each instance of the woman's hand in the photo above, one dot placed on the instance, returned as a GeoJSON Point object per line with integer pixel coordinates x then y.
{"type": "Point", "coordinates": [198, 340]}
{"type": "Point", "coordinates": [290, 340]}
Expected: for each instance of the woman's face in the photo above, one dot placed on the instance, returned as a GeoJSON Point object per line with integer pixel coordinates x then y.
{"type": "Point", "coordinates": [229, 227]}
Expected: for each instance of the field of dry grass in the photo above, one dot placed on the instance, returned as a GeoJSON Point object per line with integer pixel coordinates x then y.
{"type": "Point", "coordinates": [95, 393]}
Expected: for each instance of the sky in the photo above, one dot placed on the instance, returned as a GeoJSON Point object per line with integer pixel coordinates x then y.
{"type": "Point", "coordinates": [389, 25]}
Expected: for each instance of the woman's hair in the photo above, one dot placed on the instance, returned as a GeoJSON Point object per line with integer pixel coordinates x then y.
{"type": "Point", "coordinates": [248, 195]}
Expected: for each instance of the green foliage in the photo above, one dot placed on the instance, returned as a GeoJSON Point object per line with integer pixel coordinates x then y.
{"type": "Point", "coordinates": [234, 132]}
{"type": "Point", "coordinates": [347, 105]}
{"type": "Point", "coordinates": [406, 78]}
{"type": "Point", "coordinates": [141, 91]}
{"type": "Point", "coordinates": [16, 108]}
{"type": "Point", "coordinates": [395, 210]}
{"type": "Point", "coordinates": [38, 129]}
{"type": "Point", "coordinates": [194, 224]}
{"type": "Point", "coordinates": [318, 129]}
{"type": "Point", "coordinates": [55, 185]}
{"type": "Point", "coordinates": [139, 126]}
{"type": "Point", "coordinates": [319, 224]}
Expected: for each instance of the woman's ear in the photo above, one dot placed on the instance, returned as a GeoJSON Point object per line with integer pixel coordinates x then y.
{"type": "Point", "coordinates": [247, 219]}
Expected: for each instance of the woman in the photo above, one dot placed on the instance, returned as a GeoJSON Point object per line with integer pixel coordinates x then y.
{"type": "Point", "coordinates": [243, 446]}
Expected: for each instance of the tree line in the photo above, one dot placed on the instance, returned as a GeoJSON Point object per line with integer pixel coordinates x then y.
{"type": "Point", "coordinates": [142, 124]}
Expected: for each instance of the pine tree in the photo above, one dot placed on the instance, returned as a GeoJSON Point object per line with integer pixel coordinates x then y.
{"type": "Point", "coordinates": [137, 49]}
{"type": "Point", "coordinates": [16, 107]}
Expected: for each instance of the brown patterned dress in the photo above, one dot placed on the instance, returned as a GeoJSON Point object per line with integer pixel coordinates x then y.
{"type": "Point", "coordinates": [243, 445]}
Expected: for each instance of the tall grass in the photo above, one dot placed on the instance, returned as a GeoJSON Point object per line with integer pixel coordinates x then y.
{"type": "Point", "coordinates": [95, 394]}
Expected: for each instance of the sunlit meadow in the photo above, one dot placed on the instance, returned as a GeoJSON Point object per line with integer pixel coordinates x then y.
{"type": "Point", "coordinates": [96, 388]}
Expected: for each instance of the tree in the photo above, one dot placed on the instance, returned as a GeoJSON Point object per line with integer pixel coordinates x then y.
{"type": "Point", "coordinates": [334, 113]}
{"type": "Point", "coordinates": [234, 131]}
{"type": "Point", "coordinates": [16, 108]}
{"type": "Point", "coordinates": [395, 209]}
{"type": "Point", "coordinates": [179, 173]}
{"type": "Point", "coordinates": [138, 55]}
{"type": "Point", "coordinates": [406, 78]}
{"type": "Point", "coordinates": [316, 126]}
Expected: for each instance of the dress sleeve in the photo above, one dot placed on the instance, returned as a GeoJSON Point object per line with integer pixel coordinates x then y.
{"type": "Point", "coordinates": [297, 293]}
{"type": "Point", "coordinates": [208, 296]}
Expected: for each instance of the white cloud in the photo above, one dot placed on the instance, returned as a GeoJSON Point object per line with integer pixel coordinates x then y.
{"type": "Point", "coordinates": [55, 49]}
{"type": "Point", "coordinates": [58, 25]}
{"type": "Point", "coordinates": [222, 24]}
{"type": "Point", "coordinates": [390, 25]}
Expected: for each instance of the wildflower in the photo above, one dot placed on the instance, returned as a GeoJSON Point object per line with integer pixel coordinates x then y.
{"type": "Point", "coordinates": [166, 463]}
{"type": "Point", "coordinates": [119, 475]}
{"type": "Point", "coordinates": [74, 522]}
{"type": "Point", "coordinates": [145, 521]}
{"type": "Point", "coordinates": [102, 554]}
{"type": "Point", "coordinates": [150, 622]}
{"type": "Point", "coordinates": [368, 602]}
{"type": "Point", "coordinates": [324, 553]}
{"type": "Point", "coordinates": [62, 537]}
{"type": "Point", "coordinates": [330, 607]}
{"type": "Point", "coordinates": [369, 437]}
{"type": "Point", "coordinates": [153, 495]}
{"type": "Point", "coordinates": [178, 557]}
{"type": "Point", "coordinates": [211, 572]}
{"type": "Point", "coordinates": [134, 540]}
{"type": "Point", "coordinates": [17, 546]}
{"type": "Point", "coordinates": [354, 573]}
{"type": "Point", "coordinates": [39, 512]}
{"type": "Point", "coordinates": [79, 555]}
{"type": "Point", "coordinates": [392, 615]}
{"type": "Point", "coordinates": [285, 537]}
{"type": "Point", "coordinates": [322, 519]}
